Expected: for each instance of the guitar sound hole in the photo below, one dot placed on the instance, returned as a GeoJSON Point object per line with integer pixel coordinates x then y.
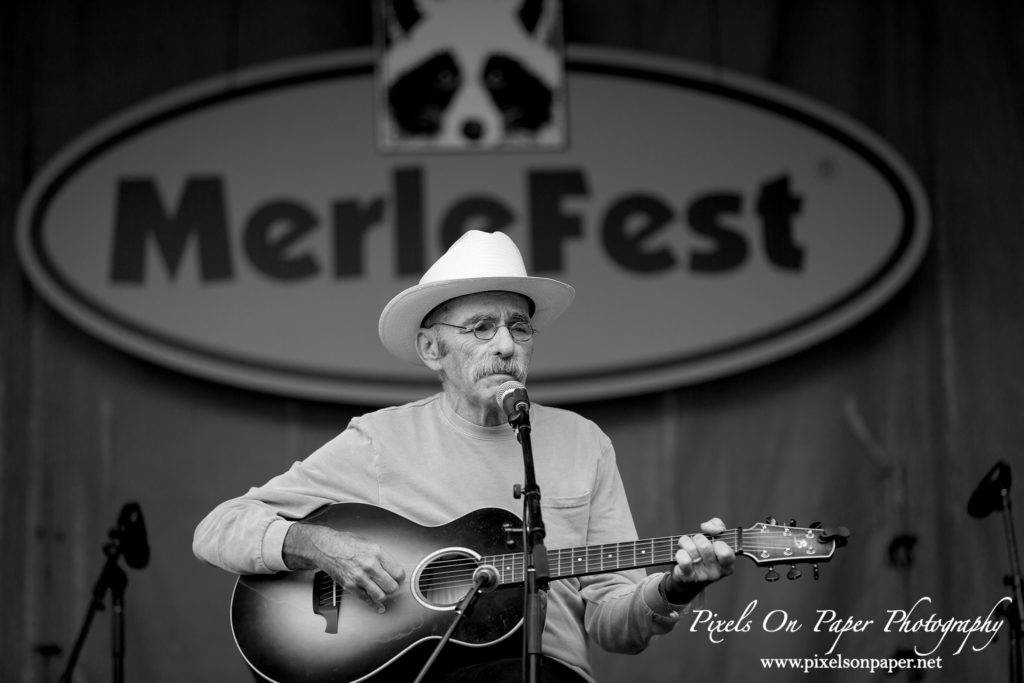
{"type": "Point", "coordinates": [445, 578]}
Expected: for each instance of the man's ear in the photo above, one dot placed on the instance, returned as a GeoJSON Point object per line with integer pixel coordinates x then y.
{"type": "Point", "coordinates": [428, 349]}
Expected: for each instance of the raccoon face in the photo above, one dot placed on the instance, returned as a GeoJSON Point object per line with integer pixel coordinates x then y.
{"type": "Point", "coordinates": [469, 74]}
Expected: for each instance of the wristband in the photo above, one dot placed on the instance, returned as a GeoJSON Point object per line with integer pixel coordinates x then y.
{"type": "Point", "coordinates": [663, 589]}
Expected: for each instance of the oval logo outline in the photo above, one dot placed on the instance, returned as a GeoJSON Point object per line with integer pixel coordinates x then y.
{"type": "Point", "coordinates": [191, 356]}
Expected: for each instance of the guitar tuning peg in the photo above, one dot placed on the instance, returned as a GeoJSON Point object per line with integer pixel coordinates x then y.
{"type": "Point", "coordinates": [772, 575]}
{"type": "Point", "coordinates": [791, 522]}
{"type": "Point", "coordinates": [793, 573]}
{"type": "Point", "coordinates": [771, 520]}
{"type": "Point", "coordinates": [816, 525]}
{"type": "Point", "coordinates": [816, 575]}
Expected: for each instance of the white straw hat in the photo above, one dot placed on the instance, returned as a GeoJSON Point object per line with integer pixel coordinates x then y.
{"type": "Point", "coordinates": [477, 262]}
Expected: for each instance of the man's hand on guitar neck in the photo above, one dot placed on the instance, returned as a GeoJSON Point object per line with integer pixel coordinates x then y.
{"type": "Point", "coordinates": [360, 566]}
{"type": "Point", "coordinates": [699, 561]}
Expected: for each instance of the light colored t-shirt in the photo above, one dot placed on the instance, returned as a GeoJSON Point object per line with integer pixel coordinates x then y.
{"type": "Point", "coordinates": [428, 464]}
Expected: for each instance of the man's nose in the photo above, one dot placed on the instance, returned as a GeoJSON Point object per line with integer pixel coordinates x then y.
{"type": "Point", "coordinates": [503, 342]}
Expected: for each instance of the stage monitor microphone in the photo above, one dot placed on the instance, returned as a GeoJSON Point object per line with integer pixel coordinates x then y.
{"type": "Point", "coordinates": [514, 401]}
{"type": "Point", "coordinates": [486, 578]}
{"type": "Point", "coordinates": [988, 496]}
{"type": "Point", "coordinates": [131, 534]}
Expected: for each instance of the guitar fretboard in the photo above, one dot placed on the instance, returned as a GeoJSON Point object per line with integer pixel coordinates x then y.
{"type": "Point", "coordinates": [609, 557]}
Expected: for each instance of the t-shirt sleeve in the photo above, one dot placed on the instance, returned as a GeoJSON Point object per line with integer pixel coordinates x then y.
{"type": "Point", "coordinates": [245, 535]}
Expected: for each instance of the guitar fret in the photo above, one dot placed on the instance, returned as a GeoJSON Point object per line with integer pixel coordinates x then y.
{"type": "Point", "coordinates": [595, 558]}
{"type": "Point", "coordinates": [608, 557]}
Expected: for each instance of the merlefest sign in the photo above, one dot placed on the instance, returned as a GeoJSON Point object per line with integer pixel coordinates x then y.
{"type": "Point", "coordinates": [249, 229]}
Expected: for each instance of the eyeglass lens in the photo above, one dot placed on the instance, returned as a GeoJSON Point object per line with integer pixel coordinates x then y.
{"type": "Point", "coordinates": [486, 329]}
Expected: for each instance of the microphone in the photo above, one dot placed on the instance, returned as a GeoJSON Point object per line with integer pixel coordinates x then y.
{"type": "Point", "coordinates": [988, 496]}
{"type": "Point", "coordinates": [131, 534]}
{"type": "Point", "coordinates": [514, 401]}
{"type": "Point", "coordinates": [486, 578]}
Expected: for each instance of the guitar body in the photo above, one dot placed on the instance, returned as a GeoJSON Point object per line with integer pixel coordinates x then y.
{"type": "Point", "coordinates": [284, 624]}
{"type": "Point", "coordinates": [302, 627]}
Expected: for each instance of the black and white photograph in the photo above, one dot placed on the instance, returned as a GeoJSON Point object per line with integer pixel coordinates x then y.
{"type": "Point", "coordinates": [500, 341]}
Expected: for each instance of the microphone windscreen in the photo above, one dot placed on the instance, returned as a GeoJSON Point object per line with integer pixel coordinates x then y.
{"type": "Point", "coordinates": [506, 394]}
{"type": "Point", "coordinates": [131, 530]}
{"type": "Point", "coordinates": [988, 496]}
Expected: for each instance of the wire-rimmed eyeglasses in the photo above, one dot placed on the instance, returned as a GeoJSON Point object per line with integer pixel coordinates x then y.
{"type": "Point", "coordinates": [485, 330]}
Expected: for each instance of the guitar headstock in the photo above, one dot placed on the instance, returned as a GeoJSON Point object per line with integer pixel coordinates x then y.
{"type": "Point", "coordinates": [769, 543]}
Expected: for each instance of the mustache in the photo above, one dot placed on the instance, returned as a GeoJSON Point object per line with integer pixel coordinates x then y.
{"type": "Point", "coordinates": [502, 367]}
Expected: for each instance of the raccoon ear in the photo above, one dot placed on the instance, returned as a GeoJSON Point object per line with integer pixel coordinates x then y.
{"type": "Point", "coordinates": [529, 14]}
{"type": "Point", "coordinates": [404, 15]}
{"type": "Point", "coordinates": [540, 19]}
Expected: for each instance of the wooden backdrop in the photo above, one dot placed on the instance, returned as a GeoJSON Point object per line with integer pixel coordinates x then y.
{"type": "Point", "coordinates": [885, 428]}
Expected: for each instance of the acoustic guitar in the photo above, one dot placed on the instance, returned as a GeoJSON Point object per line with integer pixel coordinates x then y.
{"type": "Point", "coordinates": [301, 626]}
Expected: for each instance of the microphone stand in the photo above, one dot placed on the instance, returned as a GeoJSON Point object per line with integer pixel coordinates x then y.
{"type": "Point", "coordinates": [114, 579]}
{"type": "Point", "coordinates": [993, 493]}
{"type": "Point", "coordinates": [534, 553]}
{"type": "Point", "coordinates": [1013, 579]}
{"type": "Point", "coordinates": [463, 609]}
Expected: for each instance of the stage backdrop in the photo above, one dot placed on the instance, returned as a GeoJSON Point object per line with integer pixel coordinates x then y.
{"type": "Point", "coordinates": [885, 427]}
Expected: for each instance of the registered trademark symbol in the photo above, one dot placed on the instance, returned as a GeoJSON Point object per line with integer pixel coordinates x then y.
{"type": "Point", "coordinates": [827, 168]}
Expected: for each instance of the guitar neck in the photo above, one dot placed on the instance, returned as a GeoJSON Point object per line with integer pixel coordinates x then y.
{"type": "Point", "coordinates": [766, 544]}
{"type": "Point", "coordinates": [609, 557]}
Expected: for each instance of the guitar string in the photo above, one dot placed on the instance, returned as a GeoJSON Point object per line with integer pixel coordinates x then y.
{"type": "Point", "coordinates": [750, 543]}
{"type": "Point", "coordinates": [611, 561]}
{"type": "Point", "coordinates": [566, 566]}
{"type": "Point", "coordinates": [635, 549]}
{"type": "Point", "coordinates": [463, 579]}
{"type": "Point", "coordinates": [729, 535]}
{"type": "Point", "coordinates": [595, 554]}
{"type": "Point", "coordinates": [457, 571]}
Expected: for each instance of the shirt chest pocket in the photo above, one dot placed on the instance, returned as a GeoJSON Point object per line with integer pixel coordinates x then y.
{"type": "Point", "coordinates": [566, 519]}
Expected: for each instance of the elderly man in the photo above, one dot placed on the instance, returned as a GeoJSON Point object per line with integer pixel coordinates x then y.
{"type": "Point", "coordinates": [472, 320]}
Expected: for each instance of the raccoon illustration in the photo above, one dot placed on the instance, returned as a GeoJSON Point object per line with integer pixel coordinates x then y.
{"type": "Point", "coordinates": [472, 74]}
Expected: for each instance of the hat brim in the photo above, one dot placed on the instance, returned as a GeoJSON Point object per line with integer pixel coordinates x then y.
{"type": "Point", "coordinates": [403, 315]}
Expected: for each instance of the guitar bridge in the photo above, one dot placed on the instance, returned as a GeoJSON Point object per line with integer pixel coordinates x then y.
{"type": "Point", "coordinates": [327, 600]}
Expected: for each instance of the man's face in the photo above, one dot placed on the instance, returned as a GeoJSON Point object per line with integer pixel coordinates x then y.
{"type": "Point", "coordinates": [474, 368]}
